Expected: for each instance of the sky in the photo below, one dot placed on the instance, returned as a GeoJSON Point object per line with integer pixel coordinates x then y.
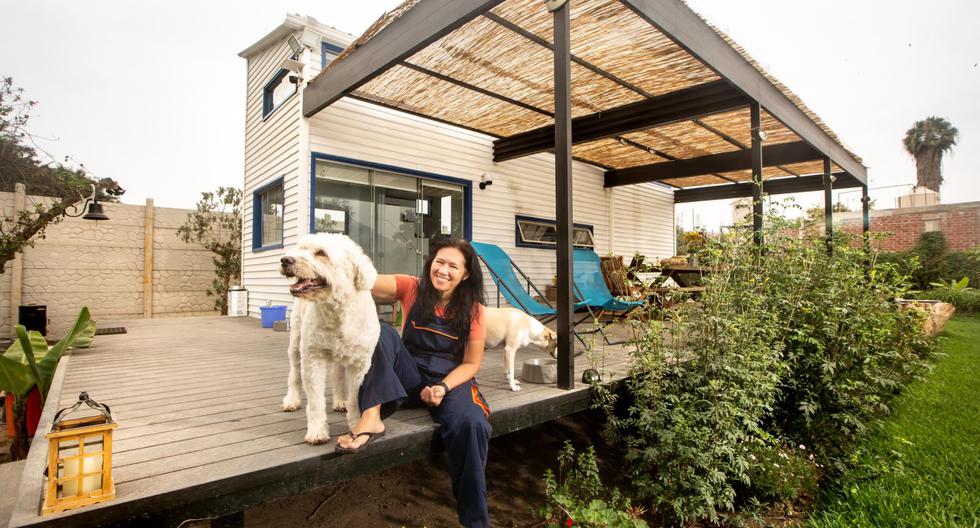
{"type": "Point", "coordinates": [152, 93]}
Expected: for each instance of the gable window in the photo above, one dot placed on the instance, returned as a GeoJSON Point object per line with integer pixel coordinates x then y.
{"type": "Point", "coordinates": [277, 91]}
{"type": "Point", "coordinates": [328, 52]}
{"type": "Point", "coordinates": [268, 205]}
{"type": "Point", "coordinates": [543, 233]}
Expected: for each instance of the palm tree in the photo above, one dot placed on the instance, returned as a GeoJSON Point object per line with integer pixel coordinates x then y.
{"type": "Point", "coordinates": [927, 141]}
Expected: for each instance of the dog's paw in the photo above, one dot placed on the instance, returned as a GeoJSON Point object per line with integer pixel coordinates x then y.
{"type": "Point", "coordinates": [316, 437]}
{"type": "Point", "coordinates": [514, 386]}
{"type": "Point", "coordinates": [290, 403]}
{"type": "Point", "coordinates": [340, 406]}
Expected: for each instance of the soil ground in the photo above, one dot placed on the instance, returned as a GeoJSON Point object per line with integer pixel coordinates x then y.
{"type": "Point", "coordinates": [420, 494]}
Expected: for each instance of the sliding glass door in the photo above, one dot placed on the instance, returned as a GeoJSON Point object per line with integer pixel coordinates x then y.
{"type": "Point", "coordinates": [392, 216]}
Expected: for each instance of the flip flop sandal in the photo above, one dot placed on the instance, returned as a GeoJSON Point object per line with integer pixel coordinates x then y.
{"type": "Point", "coordinates": [371, 437]}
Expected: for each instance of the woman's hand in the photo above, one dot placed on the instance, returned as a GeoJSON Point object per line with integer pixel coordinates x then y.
{"type": "Point", "coordinates": [432, 396]}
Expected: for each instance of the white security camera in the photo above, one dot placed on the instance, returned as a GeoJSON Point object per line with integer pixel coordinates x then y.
{"type": "Point", "coordinates": [485, 180]}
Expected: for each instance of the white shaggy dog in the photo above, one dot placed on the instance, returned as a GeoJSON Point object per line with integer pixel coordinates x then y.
{"type": "Point", "coordinates": [516, 329]}
{"type": "Point", "coordinates": [334, 322]}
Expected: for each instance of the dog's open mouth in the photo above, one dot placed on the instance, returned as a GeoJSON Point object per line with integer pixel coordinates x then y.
{"type": "Point", "coordinates": [307, 285]}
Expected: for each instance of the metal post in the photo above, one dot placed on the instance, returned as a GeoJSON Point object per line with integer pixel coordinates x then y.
{"type": "Point", "coordinates": [755, 111]}
{"type": "Point", "coordinates": [563, 190]}
{"type": "Point", "coordinates": [828, 205]}
{"type": "Point", "coordinates": [866, 227]}
{"type": "Point", "coordinates": [865, 210]}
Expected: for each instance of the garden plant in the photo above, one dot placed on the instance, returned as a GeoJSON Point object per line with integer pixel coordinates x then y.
{"type": "Point", "coordinates": [762, 387]}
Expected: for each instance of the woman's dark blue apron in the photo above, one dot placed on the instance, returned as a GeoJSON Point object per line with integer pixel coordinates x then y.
{"type": "Point", "coordinates": [401, 367]}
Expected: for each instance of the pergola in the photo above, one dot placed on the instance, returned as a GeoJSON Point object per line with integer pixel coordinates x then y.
{"type": "Point", "coordinates": [644, 89]}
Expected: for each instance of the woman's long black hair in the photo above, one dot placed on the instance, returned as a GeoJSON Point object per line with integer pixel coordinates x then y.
{"type": "Point", "coordinates": [467, 293]}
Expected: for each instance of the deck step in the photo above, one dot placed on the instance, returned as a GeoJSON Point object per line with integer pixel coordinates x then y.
{"type": "Point", "coordinates": [9, 485]}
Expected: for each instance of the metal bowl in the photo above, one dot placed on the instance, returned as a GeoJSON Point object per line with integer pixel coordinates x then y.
{"type": "Point", "coordinates": [540, 370]}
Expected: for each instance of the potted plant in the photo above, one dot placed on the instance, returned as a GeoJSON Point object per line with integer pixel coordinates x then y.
{"type": "Point", "coordinates": [29, 364]}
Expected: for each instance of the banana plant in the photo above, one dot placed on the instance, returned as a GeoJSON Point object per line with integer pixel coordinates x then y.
{"type": "Point", "coordinates": [29, 362]}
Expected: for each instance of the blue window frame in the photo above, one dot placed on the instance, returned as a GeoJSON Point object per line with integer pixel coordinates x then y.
{"type": "Point", "coordinates": [533, 232]}
{"type": "Point", "coordinates": [328, 52]}
{"type": "Point", "coordinates": [277, 91]}
{"type": "Point", "coordinates": [467, 185]}
{"type": "Point", "coordinates": [268, 215]}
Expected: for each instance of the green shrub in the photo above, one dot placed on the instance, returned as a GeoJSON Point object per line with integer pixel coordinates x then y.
{"type": "Point", "coordinates": [788, 342]}
{"type": "Point", "coordinates": [965, 301]}
{"type": "Point", "coordinates": [577, 497]}
{"type": "Point", "coordinates": [931, 250]}
{"type": "Point", "coordinates": [780, 473]}
{"type": "Point", "coordinates": [961, 264]}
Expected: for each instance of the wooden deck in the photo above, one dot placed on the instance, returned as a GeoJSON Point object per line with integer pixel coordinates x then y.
{"type": "Point", "coordinates": [201, 434]}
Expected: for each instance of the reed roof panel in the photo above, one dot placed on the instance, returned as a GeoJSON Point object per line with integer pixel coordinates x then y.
{"type": "Point", "coordinates": [619, 58]}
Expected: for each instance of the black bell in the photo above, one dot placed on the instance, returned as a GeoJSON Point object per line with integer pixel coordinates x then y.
{"type": "Point", "coordinates": [95, 212]}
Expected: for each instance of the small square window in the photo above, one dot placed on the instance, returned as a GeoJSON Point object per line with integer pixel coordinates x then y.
{"type": "Point", "coordinates": [536, 232]}
{"type": "Point", "coordinates": [267, 220]}
{"type": "Point", "coordinates": [328, 52]}
{"type": "Point", "coordinates": [277, 91]}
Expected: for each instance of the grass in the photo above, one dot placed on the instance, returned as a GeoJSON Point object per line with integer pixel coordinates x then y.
{"type": "Point", "coordinates": [922, 468]}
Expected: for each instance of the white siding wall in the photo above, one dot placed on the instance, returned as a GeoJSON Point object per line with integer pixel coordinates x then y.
{"type": "Point", "coordinates": [272, 150]}
{"type": "Point", "coordinates": [626, 220]}
{"type": "Point", "coordinates": [642, 215]}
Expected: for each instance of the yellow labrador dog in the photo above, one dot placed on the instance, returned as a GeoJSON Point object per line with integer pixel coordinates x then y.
{"type": "Point", "coordinates": [516, 329]}
{"type": "Point", "coordinates": [334, 323]}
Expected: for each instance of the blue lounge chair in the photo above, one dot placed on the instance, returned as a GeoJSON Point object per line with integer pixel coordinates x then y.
{"type": "Point", "coordinates": [501, 268]}
{"type": "Point", "coordinates": [587, 273]}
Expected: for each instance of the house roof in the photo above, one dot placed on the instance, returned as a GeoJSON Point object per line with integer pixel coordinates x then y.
{"type": "Point", "coordinates": [292, 24]}
{"type": "Point", "coordinates": [658, 94]}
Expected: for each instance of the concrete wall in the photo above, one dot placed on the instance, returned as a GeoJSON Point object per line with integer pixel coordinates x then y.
{"type": "Point", "coordinates": [131, 266]}
{"type": "Point", "coordinates": [959, 223]}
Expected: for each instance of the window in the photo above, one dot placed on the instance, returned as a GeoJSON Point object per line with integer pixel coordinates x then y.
{"type": "Point", "coordinates": [267, 219]}
{"type": "Point", "coordinates": [277, 91]}
{"type": "Point", "coordinates": [393, 213]}
{"type": "Point", "coordinates": [542, 233]}
{"type": "Point", "coordinates": [328, 52]}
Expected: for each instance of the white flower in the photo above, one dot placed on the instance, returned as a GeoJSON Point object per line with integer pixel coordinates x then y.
{"type": "Point", "coordinates": [802, 447]}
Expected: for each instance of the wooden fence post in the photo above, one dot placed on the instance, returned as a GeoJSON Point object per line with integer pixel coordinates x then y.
{"type": "Point", "coordinates": [148, 259]}
{"type": "Point", "coordinates": [17, 265]}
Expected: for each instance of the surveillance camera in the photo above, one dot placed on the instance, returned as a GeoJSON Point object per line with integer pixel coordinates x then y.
{"type": "Point", "coordinates": [485, 180]}
{"type": "Point", "coordinates": [293, 79]}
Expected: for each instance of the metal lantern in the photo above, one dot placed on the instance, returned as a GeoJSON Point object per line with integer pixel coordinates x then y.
{"type": "Point", "coordinates": [79, 458]}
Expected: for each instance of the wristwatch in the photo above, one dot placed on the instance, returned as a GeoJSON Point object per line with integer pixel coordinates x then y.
{"type": "Point", "coordinates": [444, 386]}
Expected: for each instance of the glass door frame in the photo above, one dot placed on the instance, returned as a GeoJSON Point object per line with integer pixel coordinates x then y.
{"type": "Point", "coordinates": [467, 185]}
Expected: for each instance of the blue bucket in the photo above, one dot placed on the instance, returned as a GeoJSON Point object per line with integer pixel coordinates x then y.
{"type": "Point", "coordinates": [271, 314]}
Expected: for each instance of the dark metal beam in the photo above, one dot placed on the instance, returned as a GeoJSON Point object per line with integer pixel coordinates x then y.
{"type": "Point", "coordinates": [655, 152]}
{"type": "Point", "coordinates": [415, 29]}
{"type": "Point", "coordinates": [681, 105]}
{"type": "Point", "coordinates": [734, 141]}
{"type": "Point", "coordinates": [678, 22]}
{"type": "Point", "coordinates": [828, 204]}
{"type": "Point", "coordinates": [562, 142]}
{"type": "Point", "coordinates": [796, 152]}
{"type": "Point", "coordinates": [756, 156]}
{"type": "Point", "coordinates": [788, 185]}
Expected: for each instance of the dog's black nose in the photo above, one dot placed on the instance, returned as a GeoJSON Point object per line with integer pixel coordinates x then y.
{"type": "Point", "coordinates": [287, 261]}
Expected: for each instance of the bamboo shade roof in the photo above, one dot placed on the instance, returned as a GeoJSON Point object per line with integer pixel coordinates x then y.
{"type": "Point", "coordinates": [493, 74]}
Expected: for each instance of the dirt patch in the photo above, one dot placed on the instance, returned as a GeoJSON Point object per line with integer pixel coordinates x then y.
{"type": "Point", "coordinates": [420, 494]}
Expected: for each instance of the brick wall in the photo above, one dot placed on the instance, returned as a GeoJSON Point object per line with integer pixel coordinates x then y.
{"type": "Point", "coordinates": [959, 223]}
{"type": "Point", "coordinates": [101, 265]}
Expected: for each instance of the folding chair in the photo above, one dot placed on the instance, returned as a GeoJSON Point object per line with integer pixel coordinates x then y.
{"type": "Point", "coordinates": [501, 268]}
{"type": "Point", "coordinates": [590, 284]}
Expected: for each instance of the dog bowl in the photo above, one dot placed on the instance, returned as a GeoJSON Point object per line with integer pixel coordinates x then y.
{"type": "Point", "coordinates": [540, 370]}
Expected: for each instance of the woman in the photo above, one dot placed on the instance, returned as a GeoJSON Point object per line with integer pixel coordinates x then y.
{"type": "Point", "coordinates": [435, 362]}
